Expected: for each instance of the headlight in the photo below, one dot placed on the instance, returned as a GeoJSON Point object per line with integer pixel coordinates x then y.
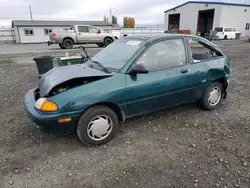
{"type": "Point", "coordinates": [45, 105]}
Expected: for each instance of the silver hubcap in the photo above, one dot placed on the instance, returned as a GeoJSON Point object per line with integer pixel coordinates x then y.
{"type": "Point", "coordinates": [100, 127]}
{"type": "Point", "coordinates": [214, 96]}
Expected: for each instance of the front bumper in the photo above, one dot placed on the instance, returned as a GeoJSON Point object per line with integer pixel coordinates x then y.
{"type": "Point", "coordinates": [48, 122]}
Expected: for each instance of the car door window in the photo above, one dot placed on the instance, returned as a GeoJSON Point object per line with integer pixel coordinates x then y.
{"type": "Point", "coordinates": [93, 30]}
{"type": "Point", "coordinates": [164, 55]}
{"type": "Point", "coordinates": [200, 51]}
{"type": "Point", "coordinates": [227, 29]}
{"type": "Point", "coordinates": [83, 29]}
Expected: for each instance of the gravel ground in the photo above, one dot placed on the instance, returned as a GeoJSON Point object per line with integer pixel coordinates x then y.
{"type": "Point", "coordinates": [181, 147]}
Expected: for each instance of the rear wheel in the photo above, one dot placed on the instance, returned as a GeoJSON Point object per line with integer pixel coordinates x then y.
{"type": "Point", "coordinates": [107, 41]}
{"type": "Point", "coordinates": [212, 96]}
{"type": "Point", "coordinates": [68, 43]}
{"type": "Point", "coordinates": [61, 46]}
{"type": "Point", "coordinates": [98, 125]}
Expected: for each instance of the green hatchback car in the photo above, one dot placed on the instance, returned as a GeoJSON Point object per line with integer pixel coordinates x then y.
{"type": "Point", "coordinates": [133, 76]}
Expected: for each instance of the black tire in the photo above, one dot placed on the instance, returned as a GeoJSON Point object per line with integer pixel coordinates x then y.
{"type": "Point", "coordinates": [225, 37]}
{"type": "Point", "coordinates": [61, 46]}
{"type": "Point", "coordinates": [88, 116]}
{"type": "Point", "coordinates": [68, 43]}
{"type": "Point", "coordinates": [205, 98]}
{"type": "Point", "coordinates": [107, 41]}
{"type": "Point", "coordinates": [100, 45]}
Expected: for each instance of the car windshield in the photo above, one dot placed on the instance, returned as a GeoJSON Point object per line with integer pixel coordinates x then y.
{"type": "Point", "coordinates": [117, 54]}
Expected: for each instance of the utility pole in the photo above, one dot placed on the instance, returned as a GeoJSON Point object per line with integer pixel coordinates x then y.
{"type": "Point", "coordinates": [110, 16]}
{"type": "Point", "coordinates": [31, 17]}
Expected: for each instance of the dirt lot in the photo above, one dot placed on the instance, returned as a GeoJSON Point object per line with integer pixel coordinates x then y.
{"type": "Point", "coordinates": [180, 147]}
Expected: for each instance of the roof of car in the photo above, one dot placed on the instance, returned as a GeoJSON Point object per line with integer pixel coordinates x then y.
{"type": "Point", "coordinates": [154, 37]}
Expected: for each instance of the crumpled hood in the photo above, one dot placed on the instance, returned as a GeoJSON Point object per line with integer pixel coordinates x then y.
{"type": "Point", "coordinates": [62, 74]}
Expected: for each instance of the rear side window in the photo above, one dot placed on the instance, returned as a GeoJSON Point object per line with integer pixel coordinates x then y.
{"type": "Point", "coordinates": [200, 51]}
{"type": "Point", "coordinates": [227, 29]}
{"type": "Point", "coordinates": [219, 29]}
{"type": "Point", "coordinates": [83, 29]}
{"type": "Point", "coordinates": [164, 55]}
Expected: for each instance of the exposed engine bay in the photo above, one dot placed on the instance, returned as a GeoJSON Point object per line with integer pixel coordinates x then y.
{"type": "Point", "coordinates": [68, 85]}
{"type": "Point", "coordinates": [60, 79]}
{"type": "Point", "coordinates": [71, 84]}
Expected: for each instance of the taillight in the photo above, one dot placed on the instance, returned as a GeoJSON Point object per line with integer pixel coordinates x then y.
{"type": "Point", "coordinates": [53, 35]}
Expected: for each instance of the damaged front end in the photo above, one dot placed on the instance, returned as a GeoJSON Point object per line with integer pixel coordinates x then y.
{"type": "Point", "coordinates": [63, 78]}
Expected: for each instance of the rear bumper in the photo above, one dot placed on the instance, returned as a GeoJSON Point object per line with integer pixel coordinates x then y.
{"type": "Point", "coordinates": [48, 122]}
{"type": "Point", "coordinates": [226, 89]}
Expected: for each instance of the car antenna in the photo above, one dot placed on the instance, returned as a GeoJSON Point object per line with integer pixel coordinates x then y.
{"type": "Point", "coordinates": [83, 49]}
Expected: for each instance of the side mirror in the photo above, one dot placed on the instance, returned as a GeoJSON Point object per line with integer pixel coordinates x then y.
{"type": "Point", "coordinates": [138, 69]}
{"type": "Point", "coordinates": [98, 31]}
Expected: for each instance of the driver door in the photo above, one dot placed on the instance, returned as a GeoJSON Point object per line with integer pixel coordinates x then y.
{"type": "Point", "coordinates": [168, 82]}
{"type": "Point", "coordinates": [95, 35]}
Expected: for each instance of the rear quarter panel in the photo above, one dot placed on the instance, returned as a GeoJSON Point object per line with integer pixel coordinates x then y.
{"type": "Point", "coordinates": [216, 69]}
{"type": "Point", "coordinates": [62, 35]}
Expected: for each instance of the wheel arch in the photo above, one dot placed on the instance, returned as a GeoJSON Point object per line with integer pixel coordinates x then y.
{"type": "Point", "coordinates": [118, 111]}
{"type": "Point", "coordinates": [223, 81]}
{"type": "Point", "coordinates": [68, 38]}
{"type": "Point", "coordinates": [107, 37]}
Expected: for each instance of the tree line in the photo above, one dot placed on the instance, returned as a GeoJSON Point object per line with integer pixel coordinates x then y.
{"type": "Point", "coordinates": [128, 22]}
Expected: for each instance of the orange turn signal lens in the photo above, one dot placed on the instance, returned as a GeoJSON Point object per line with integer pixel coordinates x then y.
{"type": "Point", "coordinates": [64, 120]}
{"type": "Point", "coordinates": [49, 106]}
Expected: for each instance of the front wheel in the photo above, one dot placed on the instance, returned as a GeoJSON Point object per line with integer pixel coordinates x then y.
{"type": "Point", "coordinates": [107, 41]}
{"type": "Point", "coordinates": [212, 97]}
{"type": "Point", "coordinates": [98, 125]}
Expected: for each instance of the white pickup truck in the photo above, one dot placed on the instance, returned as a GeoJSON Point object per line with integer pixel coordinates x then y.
{"type": "Point", "coordinates": [81, 34]}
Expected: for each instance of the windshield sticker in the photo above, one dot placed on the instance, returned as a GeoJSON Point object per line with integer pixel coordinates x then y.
{"type": "Point", "coordinates": [133, 42]}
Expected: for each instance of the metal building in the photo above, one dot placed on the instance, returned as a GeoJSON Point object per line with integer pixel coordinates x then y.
{"type": "Point", "coordinates": [37, 31]}
{"type": "Point", "coordinates": [202, 17]}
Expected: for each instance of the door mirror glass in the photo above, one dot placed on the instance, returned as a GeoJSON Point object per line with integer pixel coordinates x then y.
{"type": "Point", "coordinates": [138, 69]}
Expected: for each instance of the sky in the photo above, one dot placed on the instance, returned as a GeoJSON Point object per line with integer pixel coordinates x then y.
{"type": "Point", "coordinates": [144, 11]}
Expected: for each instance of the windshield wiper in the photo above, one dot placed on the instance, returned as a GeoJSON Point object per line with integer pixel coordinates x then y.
{"type": "Point", "coordinates": [96, 62]}
{"type": "Point", "coordinates": [100, 65]}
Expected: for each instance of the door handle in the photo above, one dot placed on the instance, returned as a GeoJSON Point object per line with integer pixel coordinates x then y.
{"type": "Point", "coordinates": [183, 71]}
